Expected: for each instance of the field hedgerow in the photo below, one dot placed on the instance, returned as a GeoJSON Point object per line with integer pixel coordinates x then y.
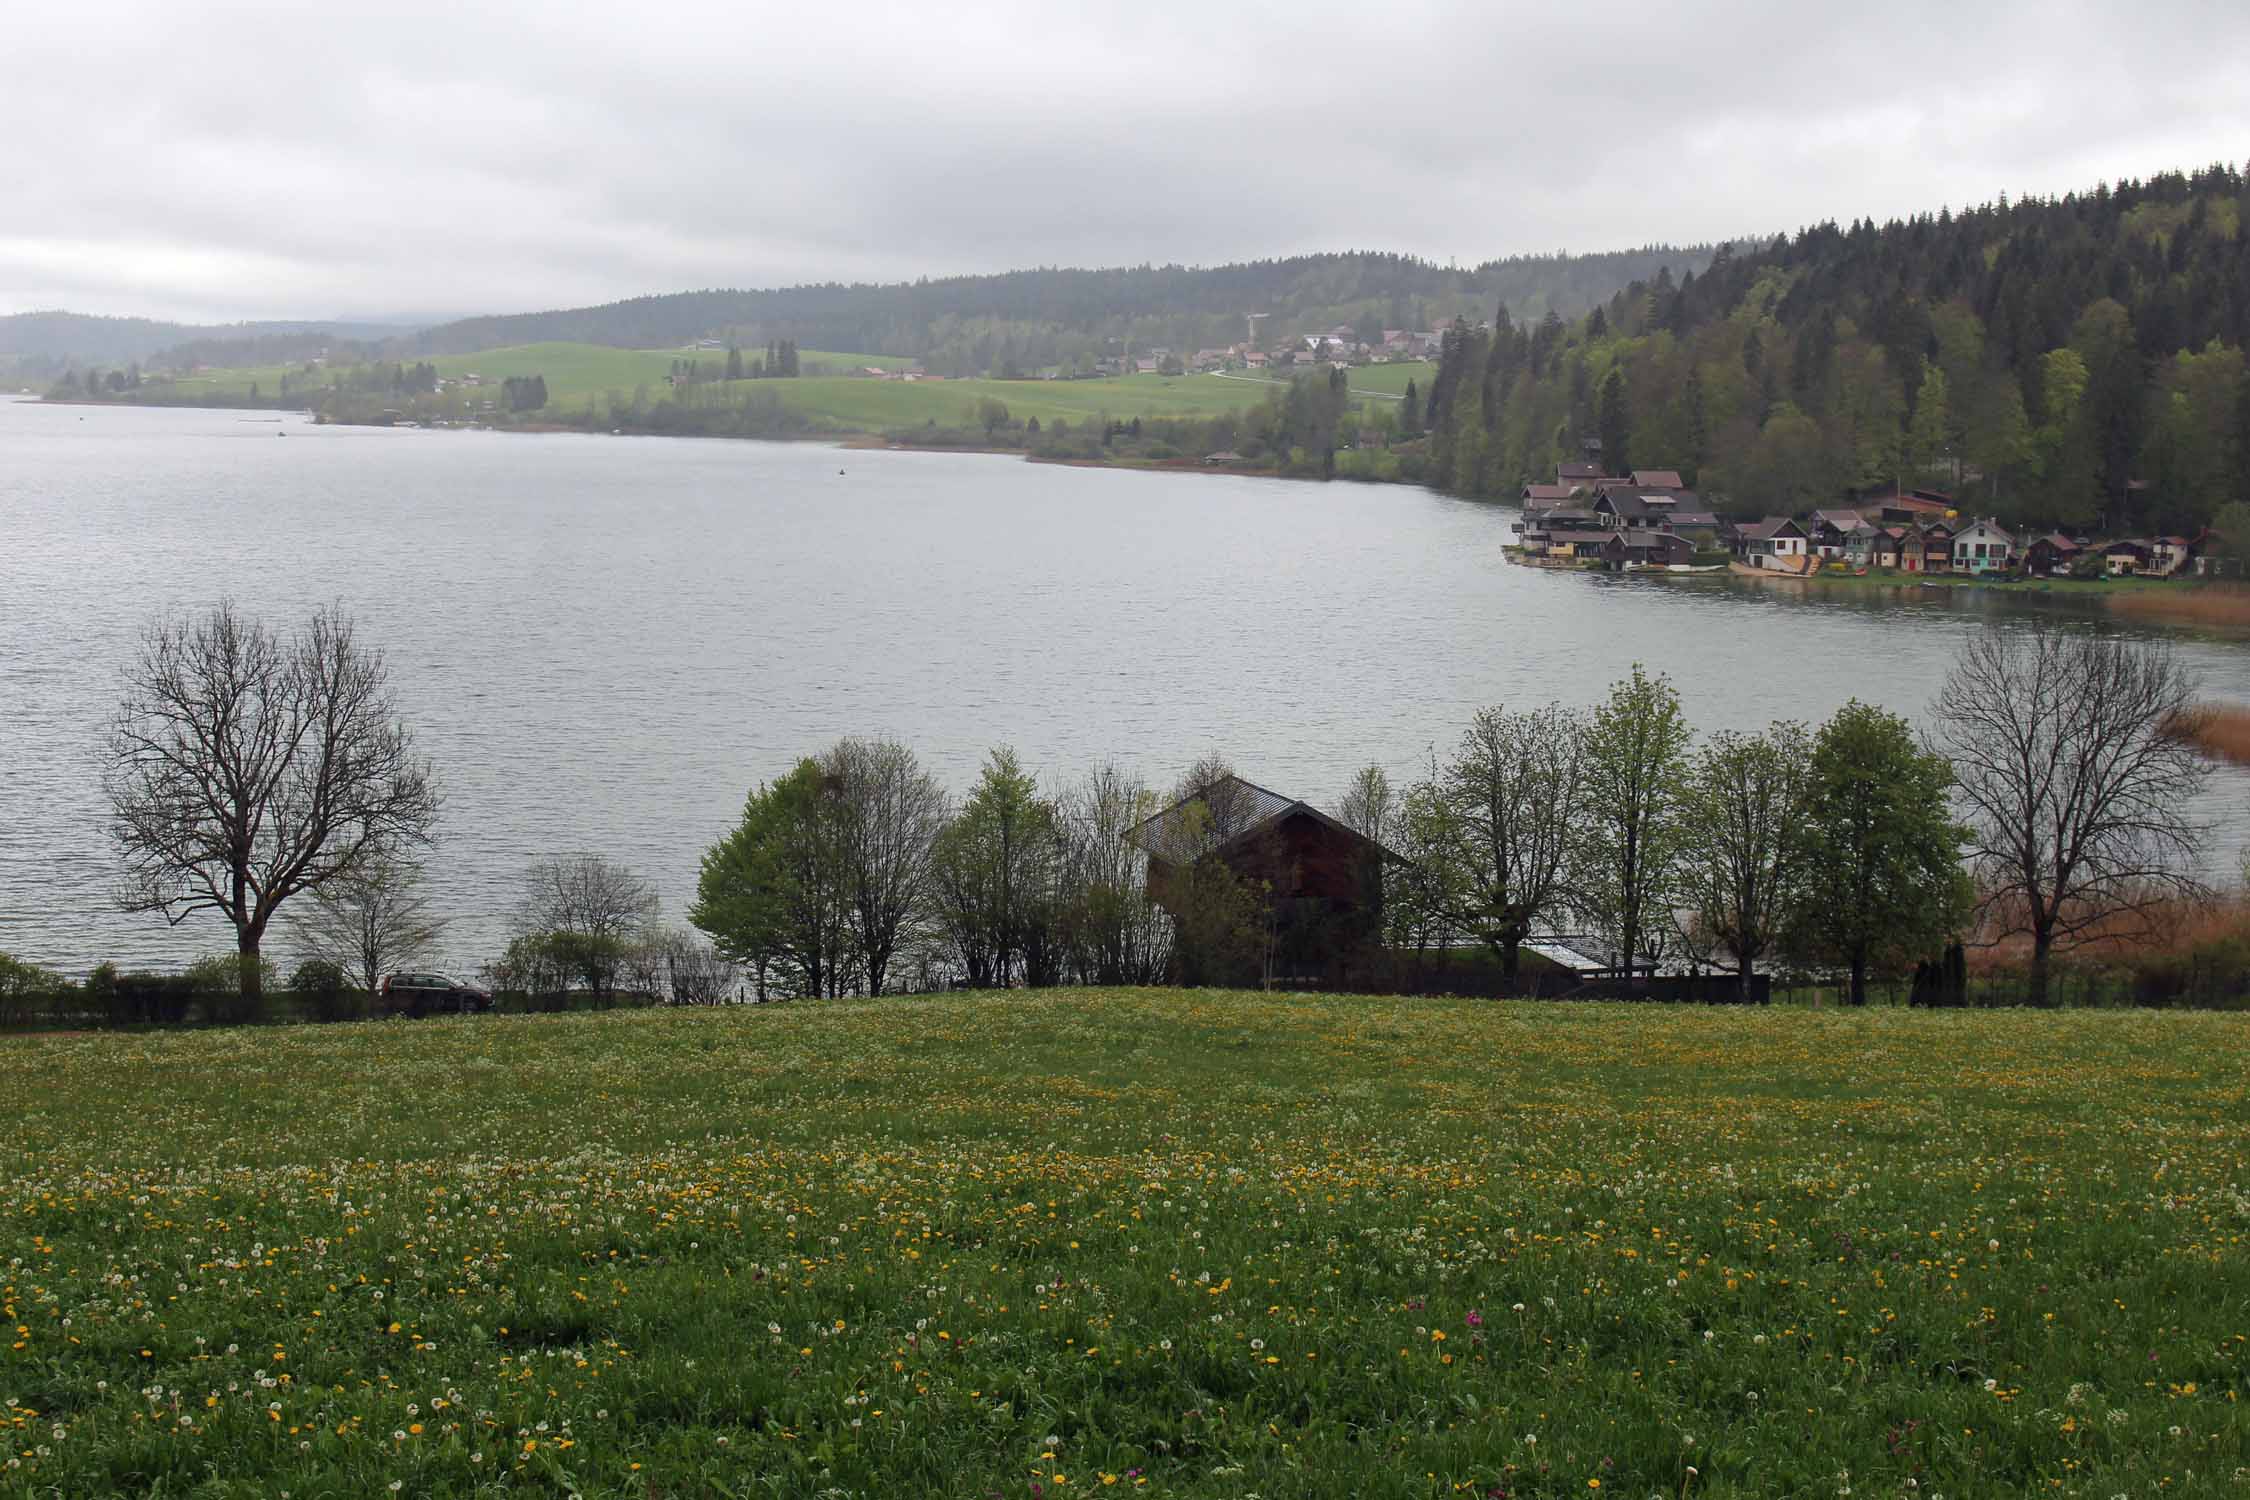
{"type": "Point", "coordinates": [1182, 1244]}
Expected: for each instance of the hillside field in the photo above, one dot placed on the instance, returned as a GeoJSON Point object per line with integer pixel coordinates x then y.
{"type": "Point", "coordinates": [1180, 1243]}
{"type": "Point", "coordinates": [577, 373]}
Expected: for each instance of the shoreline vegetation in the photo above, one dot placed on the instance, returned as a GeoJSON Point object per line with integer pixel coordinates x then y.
{"type": "Point", "coordinates": [1322, 420]}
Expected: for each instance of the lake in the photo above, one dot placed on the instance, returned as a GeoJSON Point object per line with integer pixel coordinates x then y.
{"type": "Point", "coordinates": [604, 642]}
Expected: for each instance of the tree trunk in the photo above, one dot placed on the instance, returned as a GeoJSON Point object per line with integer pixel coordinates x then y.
{"type": "Point", "coordinates": [2042, 948]}
{"type": "Point", "coordinates": [1511, 960]}
{"type": "Point", "coordinates": [253, 973]}
{"type": "Point", "coordinates": [1745, 981]}
{"type": "Point", "coordinates": [1859, 979]}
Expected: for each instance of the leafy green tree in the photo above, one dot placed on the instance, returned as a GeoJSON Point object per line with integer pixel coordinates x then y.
{"type": "Point", "coordinates": [1631, 815]}
{"type": "Point", "coordinates": [773, 894]}
{"type": "Point", "coordinates": [1929, 432]}
{"type": "Point", "coordinates": [1879, 854]}
{"type": "Point", "coordinates": [994, 873]}
{"type": "Point", "coordinates": [1746, 795]}
{"type": "Point", "coordinates": [992, 415]}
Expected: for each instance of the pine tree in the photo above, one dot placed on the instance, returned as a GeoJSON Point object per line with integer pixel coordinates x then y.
{"type": "Point", "coordinates": [1615, 424]}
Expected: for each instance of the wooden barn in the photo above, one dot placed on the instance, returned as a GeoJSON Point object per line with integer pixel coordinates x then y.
{"type": "Point", "coordinates": [1322, 881]}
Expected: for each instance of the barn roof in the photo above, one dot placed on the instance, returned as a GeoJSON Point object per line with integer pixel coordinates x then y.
{"type": "Point", "coordinates": [1246, 808]}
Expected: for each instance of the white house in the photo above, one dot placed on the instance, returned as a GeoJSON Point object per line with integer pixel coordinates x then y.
{"type": "Point", "coordinates": [1982, 548]}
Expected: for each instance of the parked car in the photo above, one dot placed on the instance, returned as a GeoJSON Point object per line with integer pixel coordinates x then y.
{"type": "Point", "coordinates": [423, 994]}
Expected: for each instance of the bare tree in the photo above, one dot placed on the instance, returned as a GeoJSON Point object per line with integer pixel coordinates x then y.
{"type": "Point", "coordinates": [2074, 759]}
{"type": "Point", "coordinates": [371, 921]}
{"type": "Point", "coordinates": [1505, 808]}
{"type": "Point", "coordinates": [1113, 932]}
{"type": "Point", "coordinates": [890, 812]}
{"type": "Point", "coordinates": [245, 768]}
{"type": "Point", "coordinates": [1225, 796]}
{"type": "Point", "coordinates": [590, 913]}
{"type": "Point", "coordinates": [696, 973]}
{"type": "Point", "coordinates": [1369, 808]}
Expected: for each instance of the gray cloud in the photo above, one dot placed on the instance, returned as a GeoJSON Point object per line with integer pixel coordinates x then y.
{"type": "Point", "coordinates": [225, 160]}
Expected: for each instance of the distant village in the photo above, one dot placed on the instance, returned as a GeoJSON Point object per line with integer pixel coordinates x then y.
{"type": "Point", "coordinates": [1648, 519]}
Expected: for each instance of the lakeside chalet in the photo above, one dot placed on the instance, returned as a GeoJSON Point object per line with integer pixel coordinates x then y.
{"type": "Point", "coordinates": [1651, 519]}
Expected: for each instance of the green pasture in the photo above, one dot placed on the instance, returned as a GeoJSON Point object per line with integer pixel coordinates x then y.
{"type": "Point", "coordinates": [578, 373]}
{"type": "Point", "coordinates": [1177, 1243]}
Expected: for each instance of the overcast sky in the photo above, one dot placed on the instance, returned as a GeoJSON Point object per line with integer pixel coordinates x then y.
{"type": "Point", "coordinates": [176, 158]}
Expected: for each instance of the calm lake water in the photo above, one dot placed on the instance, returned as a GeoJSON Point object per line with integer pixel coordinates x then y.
{"type": "Point", "coordinates": [604, 642]}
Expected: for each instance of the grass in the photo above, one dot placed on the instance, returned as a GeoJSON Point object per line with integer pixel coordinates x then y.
{"type": "Point", "coordinates": [1184, 1244]}
{"type": "Point", "coordinates": [2221, 731]}
{"type": "Point", "coordinates": [2217, 606]}
{"type": "Point", "coordinates": [576, 373]}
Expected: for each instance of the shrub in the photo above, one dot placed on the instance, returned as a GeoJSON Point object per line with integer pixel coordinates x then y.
{"type": "Point", "coordinates": [28, 992]}
{"type": "Point", "coordinates": [320, 987]}
{"type": "Point", "coordinates": [215, 983]}
{"type": "Point", "coordinates": [140, 999]}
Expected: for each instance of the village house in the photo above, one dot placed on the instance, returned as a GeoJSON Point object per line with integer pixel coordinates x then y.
{"type": "Point", "coordinates": [1928, 548]}
{"type": "Point", "coordinates": [1983, 548]}
{"type": "Point", "coordinates": [1546, 496]}
{"type": "Point", "coordinates": [2170, 555]}
{"type": "Point", "coordinates": [1832, 534]}
{"type": "Point", "coordinates": [1323, 881]}
{"type": "Point", "coordinates": [1657, 479]}
{"type": "Point", "coordinates": [1886, 546]}
{"type": "Point", "coordinates": [2127, 556]}
{"type": "Point", "coordinates": [1895, 505]}
{"type": "Point", "coordinates": [2050, 556]}
{"type": "Point", "coordinates": [1776, 543]}
{"type": "Point", "coordinates": [1646, 548]}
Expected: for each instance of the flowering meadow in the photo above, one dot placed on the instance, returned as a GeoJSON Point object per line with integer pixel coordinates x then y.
{"type": "Point", "coordinates": [1175, 1243]}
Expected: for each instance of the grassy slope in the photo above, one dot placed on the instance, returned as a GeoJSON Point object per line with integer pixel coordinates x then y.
{"type": "Point", "coordinates": [578, 372]}
{"type": "Point", "coordinates": [1222, 1243]}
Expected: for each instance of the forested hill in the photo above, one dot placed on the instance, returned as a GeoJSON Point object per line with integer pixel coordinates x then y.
{"type": "Point", "coordinates": [2071, 361]}
{"type": "Point", "coordinates": [55, 340]}
{"type": "Point", "coordinates": [1032, 319]}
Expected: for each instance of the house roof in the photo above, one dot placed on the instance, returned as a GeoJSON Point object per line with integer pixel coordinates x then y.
{"type": "Point", "coordinates": [1177, 837]}
{"type": "Point", "coordinates": [1997, 530]}
{"type": "Point", "coordinates": [2058, 541]}
{"type": "Point", "coordinates": [1650, 541]}
{"type": "Point", "coordinates": [1771, 526]}
{"type": "Point", "coordinates": [1658, 479]}
{"type": "Point", "coordinates": [1548, 493]}
{"type": "Point", "coordinates": [1842, 520]}
{"type": "Point", "coordinates": [1576, 537]}
{"type": "Point", "coordinates": [1567, 472]}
